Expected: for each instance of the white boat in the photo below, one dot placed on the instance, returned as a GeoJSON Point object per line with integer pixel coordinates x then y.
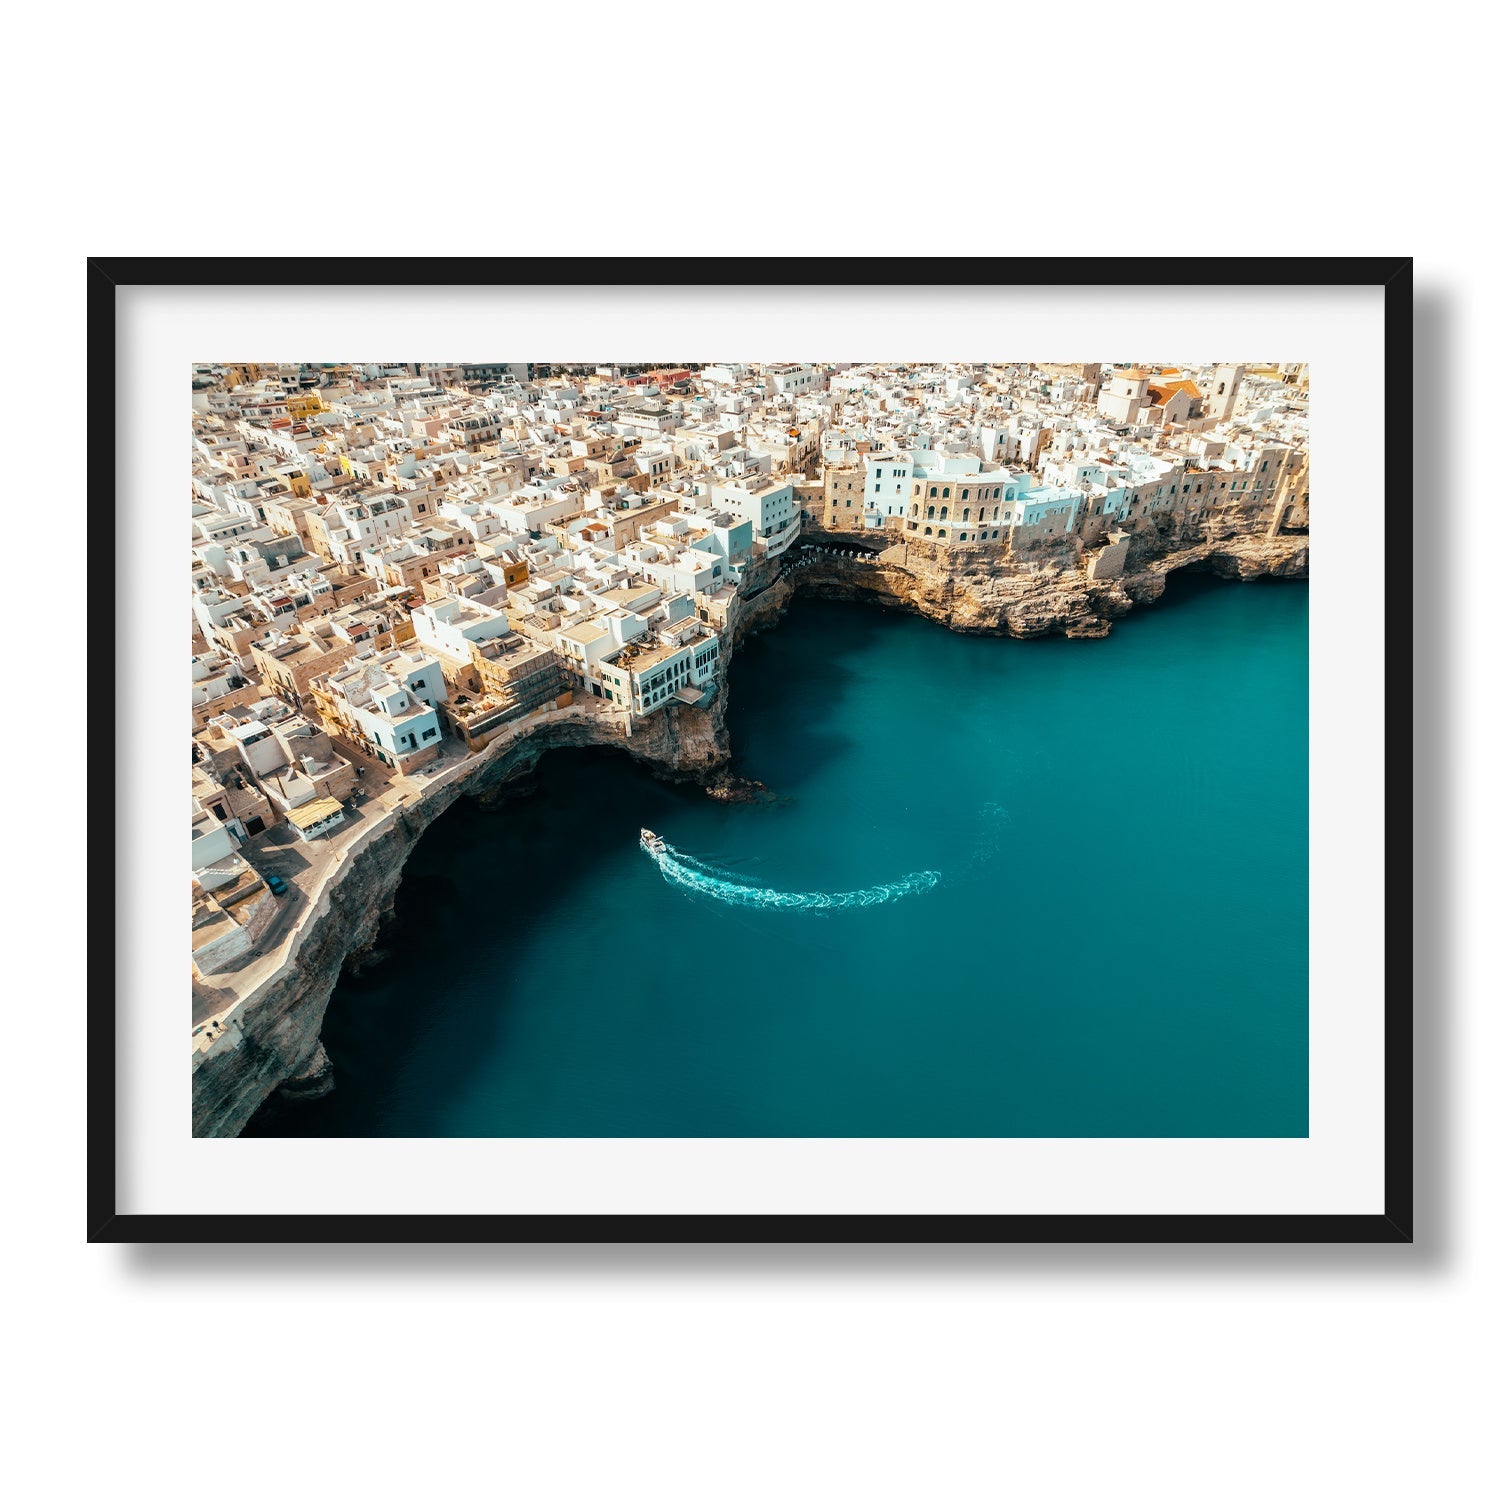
{"type": "Point", "coordinates": [652, 841]}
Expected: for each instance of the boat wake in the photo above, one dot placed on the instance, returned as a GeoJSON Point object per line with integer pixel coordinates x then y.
{"type": "Point", "coordinates": [705, 879]}
{"type": "Point", "coordinates": [694, 875]}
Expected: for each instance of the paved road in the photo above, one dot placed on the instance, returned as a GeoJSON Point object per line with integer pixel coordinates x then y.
{"type": "Point", "coordinates": [280, 851]}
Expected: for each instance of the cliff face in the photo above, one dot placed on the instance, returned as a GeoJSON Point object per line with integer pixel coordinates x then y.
{"type": "Point", "coordinates": [272, 1041]}
{"type": "Point", "coordinates": [958, 587]}
{"type": "Point", "coordinates": [273, 1036]}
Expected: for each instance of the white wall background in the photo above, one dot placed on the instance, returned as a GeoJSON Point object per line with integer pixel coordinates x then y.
{"type": "Point", "coordinates": [681, 1372]}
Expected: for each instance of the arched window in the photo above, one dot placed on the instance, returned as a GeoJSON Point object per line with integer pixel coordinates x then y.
{"type": "Point", "coordinates": [964, 496]}
{"type": "Point", "coordinates": [963, 536]}
{"type": "Point", "coordinates": [946, 492]}
{"type": "Point", "coordinates": [966, 512]}
{"type": "Point", "coordinates": [929, 512]}
{"type": "Point", "coordinates": [943, 516]}
{"type": "Point", "coordinates": [927, 531]}
{"type": "Point", "coordinates": [943, 534]}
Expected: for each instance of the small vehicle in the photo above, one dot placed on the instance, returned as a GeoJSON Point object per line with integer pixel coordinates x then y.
{"type": "Point", "coordinates": [278, 886]}
{"type": "Point", "coordinates": [652, 842]}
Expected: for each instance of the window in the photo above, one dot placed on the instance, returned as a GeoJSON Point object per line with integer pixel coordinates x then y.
{"type": "Point", "coordinates": [427, 734]}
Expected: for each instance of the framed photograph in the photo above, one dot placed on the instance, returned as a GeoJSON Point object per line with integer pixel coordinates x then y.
{"type": "Point", "coordinates": [738, 750]}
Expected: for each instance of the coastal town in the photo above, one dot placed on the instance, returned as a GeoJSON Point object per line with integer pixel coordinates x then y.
{"type": "Point", "coordinates": [410, 579]}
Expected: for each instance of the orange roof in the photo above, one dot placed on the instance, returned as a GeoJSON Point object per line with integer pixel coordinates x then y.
{"type": "Point", "coordinates": [1164, 392]}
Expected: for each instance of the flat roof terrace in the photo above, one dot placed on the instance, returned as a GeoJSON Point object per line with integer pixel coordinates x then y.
{"type": "Point", "coordinates": [296, 648]}
{"type": "Point", "coordinates": [586, 633]}
{"type": "Point", "coordinates": [466, 613]}
{"type": "Point", "coordinates": [641, 656]}
{"type": "Point", "coordinates": [632, 597]}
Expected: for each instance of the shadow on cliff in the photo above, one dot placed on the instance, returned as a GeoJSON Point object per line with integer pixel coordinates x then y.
{"type": "Point", "coordinates": [771, 739]}
{"type": "Point", "coordinates": [436, 986]}
{"type": "Point", "coordinates": [1186, 585]}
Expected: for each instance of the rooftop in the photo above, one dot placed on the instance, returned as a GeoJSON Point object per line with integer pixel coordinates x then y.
{"type": "Point", "coordinates": [643, 654]}
{"type": "Point", "coordinates": [313, 812]}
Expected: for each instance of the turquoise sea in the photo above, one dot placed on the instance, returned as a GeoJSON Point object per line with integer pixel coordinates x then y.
{"type": "Point", "coordinates": [1073, 882]}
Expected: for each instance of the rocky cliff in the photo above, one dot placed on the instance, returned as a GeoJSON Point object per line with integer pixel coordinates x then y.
{"type": "Point", "coordinates": [274, 1042]}
{"type": "Point", "coordinates": [273, 1039]}
{"type": "Point", "coordinates": [960, 588]}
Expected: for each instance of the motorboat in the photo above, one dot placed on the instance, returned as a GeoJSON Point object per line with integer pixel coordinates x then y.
{"type": "Point", "coordinates": [653, 842]}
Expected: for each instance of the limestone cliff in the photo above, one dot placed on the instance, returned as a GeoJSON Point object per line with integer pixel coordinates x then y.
{"type": "Point", "coordinates": [960, 588]}
{"type": "Point", "coordinates": [273, 1039]}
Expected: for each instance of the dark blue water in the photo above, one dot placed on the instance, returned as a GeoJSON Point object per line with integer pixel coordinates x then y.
{"type": "Point", "coordinates": [1115, 943]}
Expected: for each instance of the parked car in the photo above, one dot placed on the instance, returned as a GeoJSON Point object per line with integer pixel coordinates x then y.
{"type": "Point", "coordinates": [278, 886]}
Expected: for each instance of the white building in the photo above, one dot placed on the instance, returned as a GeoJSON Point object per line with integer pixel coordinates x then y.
{"type": "Point", "coordinates": [354, 526]}
{"type": "Point", "coordinates": [887, 481]}
{"type": "Point", "coordinates": [389, 698]}
{"type": "Point", "coordinates": [771, 508]}
{"type": "Point", "coordinates": [794, 380]}
{"type": "Point", "coordinates": [1223, 391]}
{"type": "Point", "coordinates": [453, 627]}
{"type": "Point", "coordinates": [680, 663]}
{"type": "Point", "coordinates": [1124, 395]}
{"type": "Point", "coordinates": [215, 860]}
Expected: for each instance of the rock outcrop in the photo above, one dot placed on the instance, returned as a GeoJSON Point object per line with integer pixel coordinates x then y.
{"type": "Point", "coordinates": [272, 1040]}
{"type": "Point", "coordinates": [959, 588]}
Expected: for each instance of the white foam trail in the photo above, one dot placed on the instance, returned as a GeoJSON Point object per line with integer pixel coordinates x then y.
{"type": "Point", "coordinates": [693, 875]}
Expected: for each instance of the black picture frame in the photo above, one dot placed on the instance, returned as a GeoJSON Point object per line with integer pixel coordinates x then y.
{"type": "Point", "coordinates": [1393, 1225]}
